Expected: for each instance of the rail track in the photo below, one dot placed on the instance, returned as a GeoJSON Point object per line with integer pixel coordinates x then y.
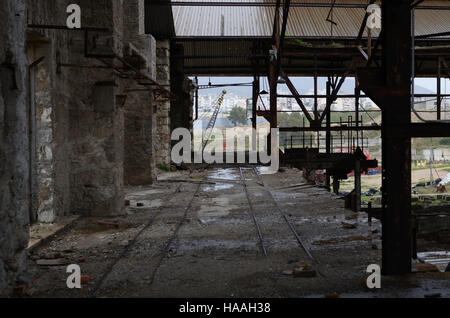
{"type": "Point", "coordinates": [164, 252]}
{"type": "Point", "coordinates": [252, 212]}
{"type": "Point", "coordinates": [291, 226]}
{"type": "Point", "coordinates": [166, 248]}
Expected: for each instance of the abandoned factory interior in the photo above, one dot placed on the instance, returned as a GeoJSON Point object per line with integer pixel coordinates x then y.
{"type": "Point", "coordinates": [224, 149]}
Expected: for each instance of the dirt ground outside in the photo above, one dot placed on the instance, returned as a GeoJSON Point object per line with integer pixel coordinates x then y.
{"type": "Point", "coordinates": [419, 175]}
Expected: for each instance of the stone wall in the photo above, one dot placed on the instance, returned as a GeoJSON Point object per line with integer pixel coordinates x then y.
{"type": "Point", "coordinates": [140, 124]}
{"type": "Point", "coordinates": [96, 118]}
{"type": "Point", "coordinates": [14, 156]}
{"type": "Point", "coordinates": [162, 142]}
{"type": "Point", "coordinates": [80, 121]}
{"type": "Point", "coordinates": [62, 149]}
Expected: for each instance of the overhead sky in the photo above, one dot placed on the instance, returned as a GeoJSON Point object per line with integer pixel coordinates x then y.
{"type": "Point", "coordinates": [305, 84]}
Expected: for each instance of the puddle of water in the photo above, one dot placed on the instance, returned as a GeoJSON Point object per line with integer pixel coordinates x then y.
{"type": "Point", "coordinates": [225, 174]}
{"type": "Point", "coordinates": [264, 170]}
{"type": "Point", "coordinates": [218, 187]}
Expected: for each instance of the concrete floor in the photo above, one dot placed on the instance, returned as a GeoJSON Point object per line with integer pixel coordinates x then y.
{"type": "Point", "coordinates": [216, 251]}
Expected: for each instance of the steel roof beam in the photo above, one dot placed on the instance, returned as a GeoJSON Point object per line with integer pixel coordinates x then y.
{"type": "Point", "coordinates": [273, 4]}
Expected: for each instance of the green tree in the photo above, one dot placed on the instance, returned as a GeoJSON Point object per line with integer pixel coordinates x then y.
{"type": "Point", "coordinates": [238, 115]}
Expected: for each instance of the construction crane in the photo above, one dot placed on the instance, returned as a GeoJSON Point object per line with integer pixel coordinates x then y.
{"type": "Point", "coordinates": [212, 121]}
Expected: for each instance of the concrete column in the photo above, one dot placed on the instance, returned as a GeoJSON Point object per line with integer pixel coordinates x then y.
{"type": "Point", "coordinates": [181, 109]}
{"type": "Point", "coordinates": [43, 135]}
{"type": "Point", "coordinates": [140, 128]}
{"type": "Point", "coordinates": [14, 155]}
{"type": "Point", "coordinates": [96, 130]}
{"type": "Point", "coordinates": [97, 153]}
{"type": "Point", "coordinates": [162, 142]}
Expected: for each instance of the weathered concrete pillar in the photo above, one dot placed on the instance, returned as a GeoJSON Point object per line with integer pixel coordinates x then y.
{"type": "Point", "coordinates": [140, 126]}
{"type": "Point", "coordinates": [96, 119]}
{"type": "Point", "coordinates": [139, 159]}
{"type": "Point", "coordinates": [47, 189]}
{"type": "Point", "coordinates": [182, 108]}
{"type": "Point", "coordinates": [14, 156]}
{"type": "Point", "coordinates": [162, 142]}
{"type": "Point", "coordinates": [49, 97]}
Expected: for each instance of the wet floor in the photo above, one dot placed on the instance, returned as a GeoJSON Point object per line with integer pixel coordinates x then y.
{"type": "Point", "coordinates": [198, 238]}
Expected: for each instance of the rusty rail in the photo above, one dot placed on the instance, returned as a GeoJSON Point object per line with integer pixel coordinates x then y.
{"type": "Point", "coordinates": [261, 240]}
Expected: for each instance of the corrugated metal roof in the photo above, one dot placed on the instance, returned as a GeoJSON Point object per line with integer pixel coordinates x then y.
{"type": "Point", "coordinates": [251, 21]}
{"type": "Point", "coordinates": [219, 39]}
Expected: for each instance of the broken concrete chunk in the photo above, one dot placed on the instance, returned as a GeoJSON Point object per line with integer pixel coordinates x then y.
{"type": "Point", "coordinates": [352, 217]}
{"type": "Point", "coordinates": [303, 264]}
{"type": "Point", "coordinates": [51, 262]}
{"type": "Point", "coordinates": [51, 255]}
{"type": "Point", "coordinates": [348, 225]}
{"type": "Point", "coordinates": [303, 269]}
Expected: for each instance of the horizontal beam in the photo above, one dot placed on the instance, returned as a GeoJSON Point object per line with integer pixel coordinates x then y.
{"type": "Point", "coordinates": [432, 35]}
{"type": "Point", "coordinates": [420, 130]}
{"type": "Point", "coordinates": [273, 4]}
{"type": "Point", "coordinates": [332, 128]}
{"type": "Point", "coordinates": [353, 96]}
{"type": "Point", "coordinates": [200, 38]}
{"type": "Point", "coordinates": [319, 96]}
{"type": "Point", "coordinates": [257, 4]}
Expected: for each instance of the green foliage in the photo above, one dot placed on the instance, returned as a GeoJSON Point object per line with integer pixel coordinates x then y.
{"type": "Point", "coordinates": [237, 116]}
{"type": "Point", "coordinates": [426, 143]}
{"type": "Point", "coordinates": [164, 168]}
{"type": "Point", "coordinates": [290, 120]}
